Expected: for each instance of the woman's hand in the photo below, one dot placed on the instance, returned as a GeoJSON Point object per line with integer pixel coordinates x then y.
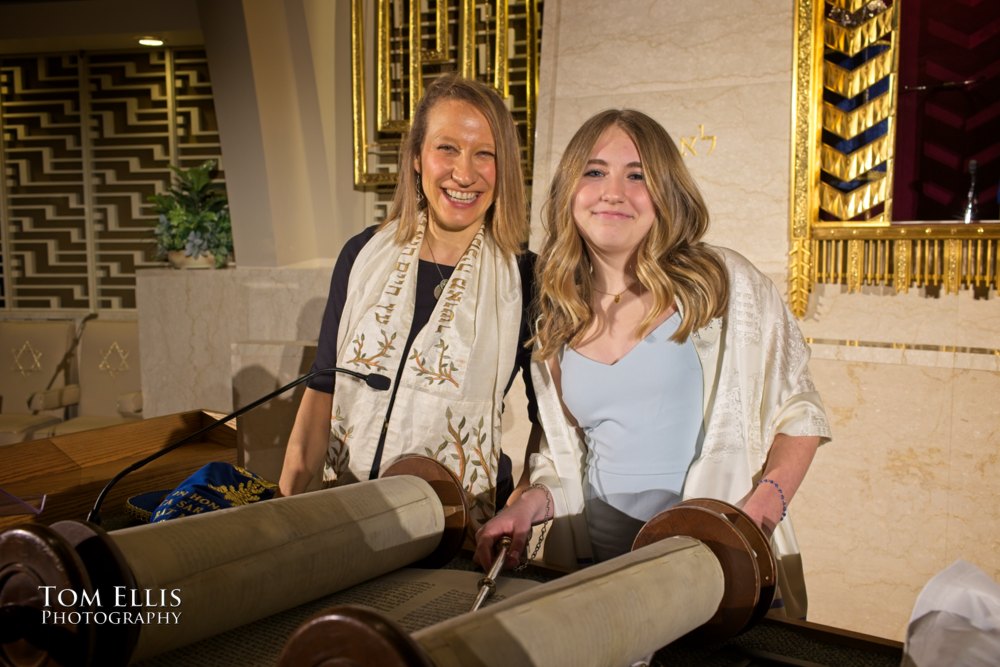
{"type": "Point", "coordinates": [516, 521]}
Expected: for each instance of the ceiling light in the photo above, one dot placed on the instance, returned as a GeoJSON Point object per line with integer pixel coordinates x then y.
{"type": "Point", "coordinates": [148, 40]}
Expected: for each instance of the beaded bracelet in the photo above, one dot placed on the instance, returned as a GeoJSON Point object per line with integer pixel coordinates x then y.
{"type": "Point", "coordinates": [545, 524]}
{"type": "Point", "coordinates": [781, 494]}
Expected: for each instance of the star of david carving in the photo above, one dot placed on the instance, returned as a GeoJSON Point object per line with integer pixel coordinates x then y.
{"type": "Point", "coordinates": [114, 361]}
{"type": "Point", "coordinates": [27, 360]}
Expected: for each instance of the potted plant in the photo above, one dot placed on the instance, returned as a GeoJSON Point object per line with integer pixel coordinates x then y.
{"type": "Point", "coordinates": [194, 227]}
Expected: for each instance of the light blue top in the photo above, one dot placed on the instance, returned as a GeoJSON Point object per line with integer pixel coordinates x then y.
{"type": "Point", "coordinates": [641, 418]}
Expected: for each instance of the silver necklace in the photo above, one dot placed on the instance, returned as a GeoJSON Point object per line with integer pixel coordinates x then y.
{"type": "Point", "coordinates": [439, 288]}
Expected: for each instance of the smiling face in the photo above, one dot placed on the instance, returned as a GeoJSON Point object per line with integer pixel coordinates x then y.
{"type": "Point", "coordinates": [612, 207]}
{"type": "Point", "coordinates": [457, 166]}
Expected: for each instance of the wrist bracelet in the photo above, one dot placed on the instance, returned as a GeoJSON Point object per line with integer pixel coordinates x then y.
{"type": "Point", "coordinates": [781, 494]}
{"type": "Point", "coordinates": [545, 524]}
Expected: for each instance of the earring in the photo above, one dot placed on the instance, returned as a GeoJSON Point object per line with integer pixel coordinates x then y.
{"type": "Point", "coordinates": [420, 190]}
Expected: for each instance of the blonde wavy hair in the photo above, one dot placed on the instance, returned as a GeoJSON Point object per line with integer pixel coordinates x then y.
{"type": "Point", "coordinates": [506, 219]}
{"type": "Point", "coordinates": [671, 261]}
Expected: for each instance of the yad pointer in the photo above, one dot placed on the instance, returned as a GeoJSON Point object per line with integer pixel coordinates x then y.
{"type": "Point", "coordinates": [488, 584]}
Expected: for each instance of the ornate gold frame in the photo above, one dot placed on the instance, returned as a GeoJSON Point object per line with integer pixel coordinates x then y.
{"type": "Point", "coordinates": [841, 249]}
{"type": "Point", "coordinates": [391, 119]}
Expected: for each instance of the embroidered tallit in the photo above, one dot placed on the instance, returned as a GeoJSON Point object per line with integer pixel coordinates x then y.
{"type": "Point", "coordinates": [757, 384]}
{"type": "Point", "coordinates": [447, 394]}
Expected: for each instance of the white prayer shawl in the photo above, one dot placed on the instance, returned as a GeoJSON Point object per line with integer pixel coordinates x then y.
{"type": "Point", "coordinates": [449, 393]}
{"type": "Point", "coordinates": [756, 385]}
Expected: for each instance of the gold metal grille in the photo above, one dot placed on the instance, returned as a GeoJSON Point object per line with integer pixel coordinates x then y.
{"type": "Point", "coordinates": [941, 256]}
{"type": "Point", "coordinates": [409, 43]}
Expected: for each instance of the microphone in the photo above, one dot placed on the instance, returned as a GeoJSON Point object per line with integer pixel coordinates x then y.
{"type": "Point", "coordinates": [377, 382]}
{"type": "Point", "coordinates": [970, 213]}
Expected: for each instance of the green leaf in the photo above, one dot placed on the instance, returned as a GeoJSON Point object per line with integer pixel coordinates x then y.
{"type": "Point", "coordinates": [194, 205]}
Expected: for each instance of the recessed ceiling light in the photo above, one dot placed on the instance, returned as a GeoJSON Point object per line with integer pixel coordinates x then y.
{"type": "Point", "coordinates": [149, 40]}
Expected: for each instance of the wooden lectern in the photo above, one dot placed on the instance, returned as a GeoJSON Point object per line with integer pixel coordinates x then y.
{"type": "Point", "coordinates": [70, 470]}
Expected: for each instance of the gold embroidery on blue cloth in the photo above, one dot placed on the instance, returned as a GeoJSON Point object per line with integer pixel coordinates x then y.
{"type": "Point", "coordinates": [214, 486]}
{"type": "Point", "coordinates": [184, 502]}
{"type": "Point", "coordinates": [246, 492]}
{"type": "Point", "coordinates": [242, 494]}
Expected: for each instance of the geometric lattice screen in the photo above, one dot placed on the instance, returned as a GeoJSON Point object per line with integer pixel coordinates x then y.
{"type": "Point", "coordinates": [85, 138]}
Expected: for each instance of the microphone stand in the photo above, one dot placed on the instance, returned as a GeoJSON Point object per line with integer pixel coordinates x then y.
{"type": "Point", "coordinates": [377, 382]}
{"type": "Point", "coordinates": [66, 362]}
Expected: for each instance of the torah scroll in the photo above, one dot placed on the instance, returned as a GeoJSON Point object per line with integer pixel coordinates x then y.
{"type": "Point", "coordinates": [77, 594]}
{"type": "Point", "coordinates": [235, 566]}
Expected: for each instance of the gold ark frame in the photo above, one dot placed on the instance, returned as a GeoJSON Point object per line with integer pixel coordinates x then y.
{"type": "Point", "coordinates": [848, 237]}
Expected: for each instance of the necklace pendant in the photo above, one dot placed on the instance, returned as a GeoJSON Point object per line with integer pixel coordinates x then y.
{"type": "Point", "coordinates": [439, 288]}
{"type": "Point", "coordinates": [618, 298]}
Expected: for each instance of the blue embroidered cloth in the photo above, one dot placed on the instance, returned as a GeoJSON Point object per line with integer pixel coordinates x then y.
{"type": "Point", "coordinates": [214, 486]}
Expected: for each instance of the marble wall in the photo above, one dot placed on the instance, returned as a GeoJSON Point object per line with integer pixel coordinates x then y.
{"type": "Point", "coordinates": [716, 78]}
{"type": "Point", "coordinates": [910, 482]}
{"type": "Point", "coordinates": [908, 486]}
{"type": "Point", "coordinates": [189, 322]}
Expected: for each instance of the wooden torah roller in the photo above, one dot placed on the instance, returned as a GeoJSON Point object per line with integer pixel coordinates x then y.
{"type": "Point", "coordinates": [700, 569]}
{"type": "Point", "coordinates": [744, 552]}
{"type": "Point", "coordinates": [73, 594]}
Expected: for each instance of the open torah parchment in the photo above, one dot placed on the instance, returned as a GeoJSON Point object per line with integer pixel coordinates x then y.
{"type": "Point", "coordinates": [412, 598]}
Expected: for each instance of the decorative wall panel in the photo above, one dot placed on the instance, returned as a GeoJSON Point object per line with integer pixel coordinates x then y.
{"type": "Point", "coordinates": [45, 255]}
{"type": "Point", "coordinates": [398, 51]}
{"type": "Point", "coordinates": [86, 138]}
